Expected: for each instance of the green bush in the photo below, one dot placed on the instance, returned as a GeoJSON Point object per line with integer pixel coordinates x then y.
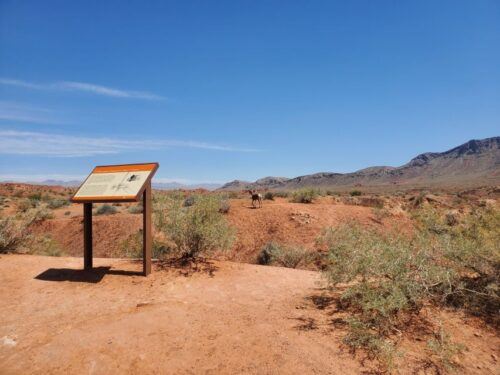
{"type": "Point", "coordinates": [106, 209]}
{"type": "Point", "coordinates": [388, 276]}
{"type": "Point", "coordinates": [284, 256]}
{"type": "Point", "coordinates": [307, 195]}
{"type": "Point", "coordinates": [197, 230]}
{"type": "Point", "coordinates": [355, 193]}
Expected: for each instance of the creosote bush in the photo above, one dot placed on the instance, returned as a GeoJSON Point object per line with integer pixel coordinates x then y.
{"type": "Point", "coordinates": [306, 195]}
{"type": "Point", "coordinates": [284, 256]}
{"type": "Point", "coordinates": [389, 276]}
{"type": "Point", "coordinates": [194, 231]}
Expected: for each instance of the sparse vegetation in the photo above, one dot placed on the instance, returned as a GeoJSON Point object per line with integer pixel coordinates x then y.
{"type": "Point", "coordinates": [196, 230]}
{"type": "Point", "coordinates": [57, 203]}
{"type": "Point", "coordinates": [355, 193]}
{"type": "Point", "coordinates": [391, 276]}
{"type": "Point", "coordinates": [12, 233]}
{"type": "Point", "coordinates": [285, 256]}
{"type": "Point", "coordinates": [106, 209]}
{"type": "Point", "coordinates": [307, 195]}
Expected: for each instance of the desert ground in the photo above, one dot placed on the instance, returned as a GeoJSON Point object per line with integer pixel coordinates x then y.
{"type": "Point", "coordinates": [221, 314]}
{"type": "Point", "coordinates": [226, 318]}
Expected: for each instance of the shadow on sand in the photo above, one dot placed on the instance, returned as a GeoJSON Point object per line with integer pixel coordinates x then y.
{"type": "Point", "coordinates": [94, 275]}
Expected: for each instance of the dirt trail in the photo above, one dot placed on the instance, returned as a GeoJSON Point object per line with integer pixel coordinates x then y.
{"type": "Point", "coordinates": [242, 319]}
{"type": "Point", "coordinates": [227, 318]}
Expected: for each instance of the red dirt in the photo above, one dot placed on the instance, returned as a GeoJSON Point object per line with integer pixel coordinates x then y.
{"type": "Point", "coordinates": [279, 221]}
{"type": "Point", "coordinates": [240, 318]}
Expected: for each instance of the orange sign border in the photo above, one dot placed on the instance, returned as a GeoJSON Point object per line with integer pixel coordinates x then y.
{"type": "Point", "coordinates": [153, 167]}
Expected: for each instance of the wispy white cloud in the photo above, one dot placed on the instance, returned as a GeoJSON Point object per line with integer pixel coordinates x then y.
{"type": "Point", "coordinates": [34, 143]}
{"type": "Point", "coordinates": [13, 111]}
{"type": "Point", "coordinates": [82, 87]}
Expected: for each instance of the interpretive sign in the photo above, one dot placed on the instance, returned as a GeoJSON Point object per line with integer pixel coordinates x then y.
{"type": "Point", "coordinates": [113, 183]}
{"type": "Point", "coordinates": [117, 183]}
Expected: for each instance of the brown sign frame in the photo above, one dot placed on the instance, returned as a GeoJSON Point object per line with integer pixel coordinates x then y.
{"type": "Point", "coordinates": [143, 194]}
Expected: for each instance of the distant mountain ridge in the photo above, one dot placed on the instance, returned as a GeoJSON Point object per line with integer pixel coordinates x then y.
{"type": "Point", "coordinates": [476, 162]}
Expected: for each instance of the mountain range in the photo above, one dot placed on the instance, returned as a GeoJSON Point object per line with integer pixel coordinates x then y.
{"type": "Point", "coordinates": [473, 163]}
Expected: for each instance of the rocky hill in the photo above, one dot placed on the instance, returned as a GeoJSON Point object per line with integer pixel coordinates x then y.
{"type": "Point", "coordinates": [474, 163]}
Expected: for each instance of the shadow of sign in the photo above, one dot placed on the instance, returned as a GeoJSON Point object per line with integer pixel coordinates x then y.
{"type": "Point", "coordinates": [93, 275]}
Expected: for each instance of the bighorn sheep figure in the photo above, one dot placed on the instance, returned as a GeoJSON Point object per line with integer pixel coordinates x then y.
{"type": "Point", "coordinates": [255, 197]}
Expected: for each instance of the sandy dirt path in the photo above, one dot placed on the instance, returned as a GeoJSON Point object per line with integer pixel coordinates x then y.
{"type": "Point", "coordinates": [240, 318]}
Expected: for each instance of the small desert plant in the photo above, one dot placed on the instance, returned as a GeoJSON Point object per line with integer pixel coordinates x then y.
{"type": "Point", "coordinates": [12, 233]}
{"type": "Point", "coordinates": [444, 350]}
{"type": "Point", "coordinates": [224, 206]}
{"type": "Point", "coordinates": [355, 193]}
{"type": "Point", "coordinates": [67, 213]}
{"type": "Point", "coordinates": [306, 195]}
{"type": "Point", "coordinates": [24, 205]}
{"type": "Point", "coordinates": [197, 230]}
{"type": "Point", "coordinates": [57, 203]}
{"type": "Point", "coordinates": [44, 245]}
{"type": "Point", "coordinates": [189, 201]}
{"type": "Point", "coordinates": [381, 213]}
{"type": "Point", "coordinates": [285, 256]}
{"type": "Point", "coordinates": [106, 209]}
{"type": "Point", "coordinates": [269, 196]}
{"type": "Point", "coordinates": [131, 247]}
{"type": "Point", "coordinates": [135, 209]}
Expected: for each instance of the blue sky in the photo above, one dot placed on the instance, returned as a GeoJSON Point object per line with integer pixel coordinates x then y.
{"type": "Point", "coordinates": [221, 90]}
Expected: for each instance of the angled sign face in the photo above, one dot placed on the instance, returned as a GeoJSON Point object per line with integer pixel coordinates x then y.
{"type": "Point", "coordinates": [115, 183]}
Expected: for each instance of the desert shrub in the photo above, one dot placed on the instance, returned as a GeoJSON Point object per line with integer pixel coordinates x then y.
{"type": "Point", "coordinates": [44, 245]}
{"type": "Point", "coordinates": [189, 201]}
{"type": "Point", "coordinates": [35, 196]}
{"type": "Point", "coordinates": [389, 276]}
{"type": "Point", "coordinates": [306, 195]}
{"type": "Point", "coordinates": [281, 194]}
{"type": "Point", "coordinates": [24, 205]}
{"type": "Point", "coordinates": [57, 203]}
{"type": "Point", "coordinates": [233, 195]}
{"type": "Point", "coordinates": [269, 196]}
{"type": "Point", "coordinates": [443, 349]}
{"type": "Point", "coordinates": [106, 209]}
{"type": "Point", "coordinates": [12, 233]}
{"type": "Point", "coordinates": [224, 206]}
{"type": "Point", "coordinates": [285, 256]}
{"type": "Point", "coordinates": [67, 213]}
{"type": "Point", "coordinates": [135, 209]}
{"type": "Point", "coordinates": [355, 193]}
{"type": "Point", "coordinates": [131, 247]}
{"type": "Point", "coordinates": [39, 213]}
{"type": "Point", "coordinates": [197, 230]}
{"type": "Point", "coordinates": [381, 213]}
{"type": "Point", "coordinates": [470, 248]}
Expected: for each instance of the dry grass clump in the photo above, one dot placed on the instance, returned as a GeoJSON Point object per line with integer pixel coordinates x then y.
{"type": "Point", "coordinates": [199, 229]}
{"type": "Point", "coordinates": [391, 276]}
{"type": "Point", "coordinates": [106, 209]}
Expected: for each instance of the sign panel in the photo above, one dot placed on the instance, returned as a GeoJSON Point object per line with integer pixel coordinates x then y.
{"type": "Point", "coordinates": [114, 183]}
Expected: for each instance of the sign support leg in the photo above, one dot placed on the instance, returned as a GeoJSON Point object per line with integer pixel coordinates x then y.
{"type": "Point", "coordinates": [87, 236]}
{"type": "Point", "coordinates": [146, 230]}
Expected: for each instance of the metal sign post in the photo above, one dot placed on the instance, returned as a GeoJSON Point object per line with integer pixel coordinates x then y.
{"type": "Point", "coordinates": [117, 183]}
